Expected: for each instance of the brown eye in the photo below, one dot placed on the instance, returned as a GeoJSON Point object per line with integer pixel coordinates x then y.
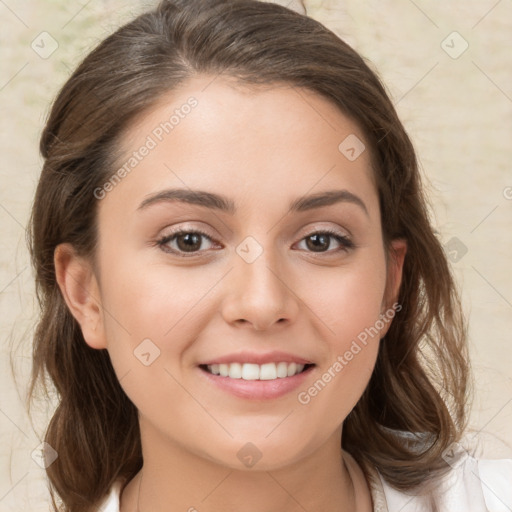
{"type": "Point", "coordinates": [188, 242]}
{"type": "Point", "coordinates": [183, 242]}
{"type": "Point", "coordinates": [321, 241]}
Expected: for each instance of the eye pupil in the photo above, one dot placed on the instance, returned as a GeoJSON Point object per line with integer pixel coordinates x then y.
{"type": "Point", "coordinates": [192, 242]}
{"type": "Point", "coordinates": [319, 241]}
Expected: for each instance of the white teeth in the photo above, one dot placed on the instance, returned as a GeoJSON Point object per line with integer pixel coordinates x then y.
{"type": "Point", "coordinates": [251, 371]}
{"type": "Point", "coordinates": [268, 371]}
{"type": "Point", "coordinates": [282, 370]}
{"type": "Point", "coordinates": [235, 371]}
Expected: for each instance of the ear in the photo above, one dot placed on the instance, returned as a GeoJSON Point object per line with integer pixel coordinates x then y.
{"type": "Point", "coordinates": [395, 264]}
{"type": "Point", "coordinates": [79, 287]}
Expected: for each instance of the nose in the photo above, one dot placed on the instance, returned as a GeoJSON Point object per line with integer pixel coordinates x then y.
{"type": "Point", "coordinates": [259, 295]}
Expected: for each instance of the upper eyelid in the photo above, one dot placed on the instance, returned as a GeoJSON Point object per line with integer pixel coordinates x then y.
{"type": "Point", "coordinates": [341, 231]}
{"type": "Point", "coordinates": [204, 232]}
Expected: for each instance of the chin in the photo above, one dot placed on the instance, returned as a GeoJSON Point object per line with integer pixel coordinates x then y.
{"type": "Point", "coordinates": [261, 455]}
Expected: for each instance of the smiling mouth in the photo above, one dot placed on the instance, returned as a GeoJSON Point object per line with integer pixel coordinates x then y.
{"type": "Point", "coordinates": [250, 371]}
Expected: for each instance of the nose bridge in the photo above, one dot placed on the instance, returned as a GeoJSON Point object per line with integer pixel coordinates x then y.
{"type": "Point", "coordinates": [257, 292]}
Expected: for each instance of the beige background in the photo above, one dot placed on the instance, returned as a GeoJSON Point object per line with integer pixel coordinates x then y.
{"type": "Point", "coordinates": [456, 106]}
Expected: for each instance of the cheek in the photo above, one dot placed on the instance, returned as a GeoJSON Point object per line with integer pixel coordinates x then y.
{"type": "Point", "coordinates": [150, 317]}
{"type": "Point", "coordinates": [153, 301]}
{"type": "Point", "coordinates": [152, 314]}
{"type": "Point", "coordinates": [349, 300]}
{"type": "Point", "coordinates": [349, 306]}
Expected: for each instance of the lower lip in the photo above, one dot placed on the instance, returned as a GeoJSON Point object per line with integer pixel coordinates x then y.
{"type": "Point", "coordinates": [258, 389]}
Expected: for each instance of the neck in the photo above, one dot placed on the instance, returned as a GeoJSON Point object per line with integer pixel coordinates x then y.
{"type": "Point", "coordinates": [173, 478]}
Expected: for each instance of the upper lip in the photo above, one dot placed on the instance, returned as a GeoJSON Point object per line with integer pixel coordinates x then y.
{"type": "Point", "coordinates": [258, 358]}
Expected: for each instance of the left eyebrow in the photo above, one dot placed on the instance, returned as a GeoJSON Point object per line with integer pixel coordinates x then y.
{"type": "Point", "coordinates": [326, 199]}
{"type": "Point", "coordinates": [227, 205]}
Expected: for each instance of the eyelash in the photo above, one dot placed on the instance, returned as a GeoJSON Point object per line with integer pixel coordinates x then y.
{"type": "Point", "coordinates": [345, 242]}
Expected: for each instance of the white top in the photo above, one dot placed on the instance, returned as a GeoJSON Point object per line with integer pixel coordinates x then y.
{"type": "Point", "coordinates": [473, 485]}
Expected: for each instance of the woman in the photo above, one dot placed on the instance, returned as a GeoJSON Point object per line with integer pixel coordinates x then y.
{"type": "Point", "coordinates": [244, 305]}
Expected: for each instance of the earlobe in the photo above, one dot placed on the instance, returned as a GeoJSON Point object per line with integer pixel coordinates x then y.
{"type": "Point", "coordinates": [80, 290]}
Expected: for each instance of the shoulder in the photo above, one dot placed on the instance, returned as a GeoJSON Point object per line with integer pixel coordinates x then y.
{"type": "Point", "coordinates": [472, 485]}
{"type": "Point", "coordinates": [111, 501]}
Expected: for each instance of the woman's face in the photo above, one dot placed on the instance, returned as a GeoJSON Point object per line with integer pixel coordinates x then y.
{"type": "Point", "coordinates": [263, 288]}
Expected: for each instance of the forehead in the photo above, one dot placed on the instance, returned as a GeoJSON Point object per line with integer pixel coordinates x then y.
{"type": "Point", "coordinates": [221, 135]}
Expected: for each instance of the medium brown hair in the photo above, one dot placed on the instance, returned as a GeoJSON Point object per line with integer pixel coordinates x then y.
{"type": "Point", "coordinates": [420, 381]}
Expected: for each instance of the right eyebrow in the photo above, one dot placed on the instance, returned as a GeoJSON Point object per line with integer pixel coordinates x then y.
{"type": "Point", "coordinates": [197, 197]}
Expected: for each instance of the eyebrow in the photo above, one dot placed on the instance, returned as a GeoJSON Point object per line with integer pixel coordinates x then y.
{"type": "Point", "coordinates": [225, 204]}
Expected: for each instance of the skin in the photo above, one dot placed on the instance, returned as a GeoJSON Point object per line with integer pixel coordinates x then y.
{"type": "Point", "coordinates": [262, 148]}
